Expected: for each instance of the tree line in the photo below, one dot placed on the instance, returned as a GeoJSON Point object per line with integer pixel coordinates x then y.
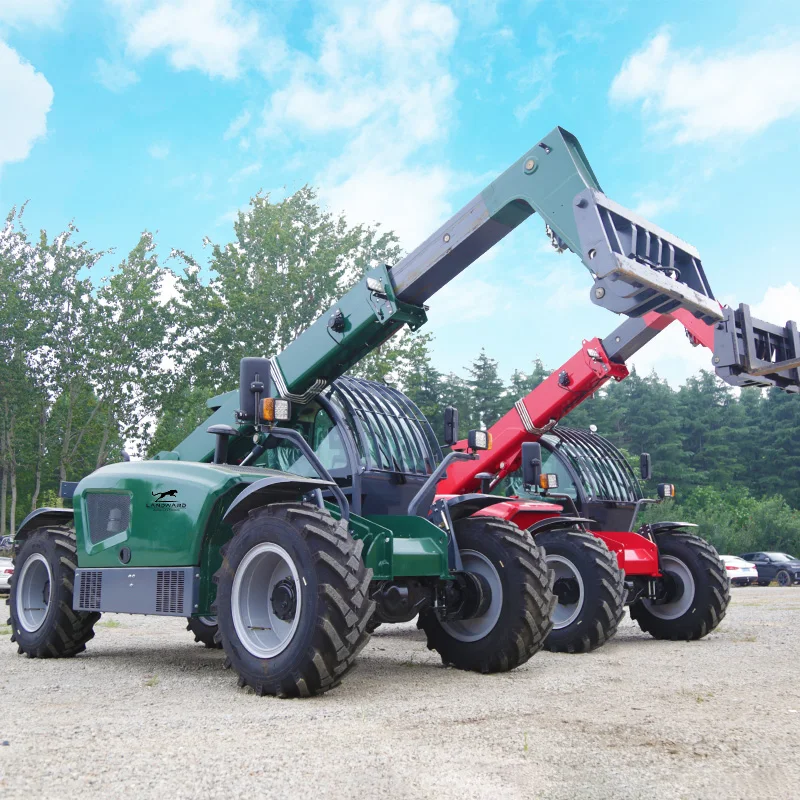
{"type": "Point", "coordinates": [99, 353]}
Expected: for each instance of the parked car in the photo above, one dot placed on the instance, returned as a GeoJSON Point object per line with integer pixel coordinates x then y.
{"type": "Point", "coordinates": [780, 567]}
{"type": "Point", "coordinates": [6, 571]}
{"type": "Point", "coordinates": [741, 572]}
{"type": "Point", "coordinates": [6, 543]}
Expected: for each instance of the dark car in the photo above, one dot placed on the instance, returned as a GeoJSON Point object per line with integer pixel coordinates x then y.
{"type": "Point", "coordinates": [780, 567]}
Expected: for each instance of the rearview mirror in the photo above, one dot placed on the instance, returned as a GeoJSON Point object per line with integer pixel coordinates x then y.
{"type": "Point", "coordinates": [531, 463]}
{"type": "Point", "coordinates": [646, 466]}
{"type": "Point", "coordinates": [450, 425]}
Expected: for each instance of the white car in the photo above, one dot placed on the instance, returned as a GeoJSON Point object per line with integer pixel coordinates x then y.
{"type": "Point", "coordinates": [6, 571]}
{"type": "Point", "coordinates": [741, 572]}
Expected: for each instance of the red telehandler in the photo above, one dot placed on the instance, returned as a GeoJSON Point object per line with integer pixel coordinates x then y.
{"type": "Point", "coordinates": [585, 497]}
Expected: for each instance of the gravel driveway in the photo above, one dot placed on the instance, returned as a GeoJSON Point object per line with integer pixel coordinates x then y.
{"type": "Point", "coordinates": [145, 713]}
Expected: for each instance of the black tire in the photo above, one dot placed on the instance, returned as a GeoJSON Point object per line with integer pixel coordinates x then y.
{"type": "Point", "coordinates": [373, 625]}
{"type": "Point", "coordinates": [598, 598]}
{"type": "Point", "coordinates": [763, 583]}
{"type": "Point", "coordinates": [61, 632]}
{"type": "Point", "coordinates": [526, 602]}
{"type": "Point", "coordinates": [705, 607]}
{"type": "Point", "coordinates": [784, 578]}
{"type": "Point", "coordinates": [329, 629]}
{"type": "Point", "coordinates": [204, 632]}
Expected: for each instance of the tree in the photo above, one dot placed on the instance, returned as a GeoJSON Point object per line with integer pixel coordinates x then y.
{"type": "Point", "coordinates": [488, 395]}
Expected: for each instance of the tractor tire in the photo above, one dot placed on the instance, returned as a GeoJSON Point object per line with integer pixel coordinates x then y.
{"type": "Point", "coordinates": [205, 630]}
{"type": "Point", "coordinates": [43, 623]}
{"type": "Point", "coordinates": [292, 600]}
{"type": "Point", "coordinates": [784, 578]}
{"type": "Point", "coordinates": [589, 587]}
{"type": "Point", "coordinates": [518, 618]}
{"type": "Point", "coordinates": [703, 585]}
{"type": "Point", "coordinates": [373, 625]}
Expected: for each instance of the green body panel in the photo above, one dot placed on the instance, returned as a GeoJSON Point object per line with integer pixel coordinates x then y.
{"type": "Point", "coordinates": [160, 534]}
{"type": "Point", "coordinates": [369, 320]}
{"type": "Point", "coordinates": [549, 188]}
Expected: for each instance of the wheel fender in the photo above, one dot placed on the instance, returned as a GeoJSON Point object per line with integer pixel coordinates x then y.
{"type": "Point", "coordinates": [465, 505]}
{"type": "Point", "coordinates": [558, 523]}
{"type": "Point", "coordinates": [666, 527]}
{"type": "Point", "coordinates": [41, 517]}
{"type": "Point", "coordinates": [273, 489]}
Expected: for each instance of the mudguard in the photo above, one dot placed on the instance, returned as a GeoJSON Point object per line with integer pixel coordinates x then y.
{"type": "Point", "coordinates": [465, 505]}
{"type": "Point", "coordinates": [663, 527]}
{"type": "Point", "coordinates": [272, 489]}
{"type": "Point", "coordinates": [41, 517]}
{"type": "Point", "coordinates": [558, 523]}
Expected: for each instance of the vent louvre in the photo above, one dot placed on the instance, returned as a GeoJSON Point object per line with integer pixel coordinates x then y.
{"type": "Point", "coordinates": [169, 591]}
{"type": "Point", "coordinates": [91, 589]}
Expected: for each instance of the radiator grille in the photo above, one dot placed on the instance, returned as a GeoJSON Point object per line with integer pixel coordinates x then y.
{"type": "Point", "coordinates": [169, 591]}
{"type": "Point", "coordinates": [109, 514]}
{"type": "Point", "coordinates": [91, 589]}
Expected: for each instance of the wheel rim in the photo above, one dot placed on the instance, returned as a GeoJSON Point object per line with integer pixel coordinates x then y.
{"type": "Point", "coordinates": [209, 622]}
{"type": "Point", "coordinates": [265, 579]}
{"type": "Point", "coordinates": [783, 578]}
{"type": "Point", "coordinates": [34, 590]}
{"type": "Point", "coordinates": [470, 630]}
{"type": "Point", "coordinates": [568, 588]}
{"type": "Point", "coordinates": [681, 604]}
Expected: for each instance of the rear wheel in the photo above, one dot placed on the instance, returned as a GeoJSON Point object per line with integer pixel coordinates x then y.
{"type": "Point", "coordinates": [784, 578]}
{"type": "Point", "coordinates": [516, 621]}
{"type": "Point", "coordinates": [43, 622]}
{"type": "Point", "coordinates": [292, 600]}
{"type": "Point", "coordinates": [589, 587]}
{"type": "Point", "coordinates": [205, 631]}
{"type": "Point", "coordinates": [698, 590]}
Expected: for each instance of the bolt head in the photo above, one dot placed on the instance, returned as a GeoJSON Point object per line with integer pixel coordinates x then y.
{"type": "Point", "coordinates": [446, 238]}
{"type": "Point", "coordinates": [530, 165]}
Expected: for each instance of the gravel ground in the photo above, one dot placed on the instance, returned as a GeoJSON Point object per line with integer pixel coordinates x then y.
{"type": "Point", "coordinates": [145, 713]}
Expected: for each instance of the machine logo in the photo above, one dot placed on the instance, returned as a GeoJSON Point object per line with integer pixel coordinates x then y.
{"type": "Point", "coordinates": [166, 501]}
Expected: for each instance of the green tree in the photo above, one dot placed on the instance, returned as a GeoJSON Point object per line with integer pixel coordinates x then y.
{"type": "Point", "coordinates": [488, 394]}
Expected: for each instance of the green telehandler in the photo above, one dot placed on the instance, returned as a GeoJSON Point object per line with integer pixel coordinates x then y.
{"type": "Point", "coordinates": [303, 510]}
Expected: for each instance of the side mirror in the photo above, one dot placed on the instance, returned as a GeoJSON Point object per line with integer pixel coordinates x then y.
{"type": "Point", "coordinates": [666, 490]}
{"type": "Point", "coordinates": [531, 463]}
{"type": "Point", "coordinates": [254, 381]}
{"type": "Point", "coordinates": [450, 425]}
{"type": "Point", "coordinates": [646, 466]}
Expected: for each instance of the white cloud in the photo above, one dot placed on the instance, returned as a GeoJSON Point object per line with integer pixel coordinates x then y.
{"type": "Point", "coordinates": [380, 89]}
{"type": "Point", "coordinates": [244, 172]}
{"type": "Point", "coordinates": [25, 97]}
{"type": "Point", "coordinates": [237, 125]}
{"type": "Point", "coordinates": [536, 81]}
{"type": "Point", "coordinates": [697, 97]}
{"type": "Point", "coordinates": [779, 305]}
{"type": "Point", "coordinates": [114, 76]}
{"type": "Point", "coordinates": [158, 150]}
{"type": "Point", "coordinates": [33, 12]}
{"type": "Point", "coordinates": [209, 35]}
{"type": "Point", "coordinates": [654, 207]}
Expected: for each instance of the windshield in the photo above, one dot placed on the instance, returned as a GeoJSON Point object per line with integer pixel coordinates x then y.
{"type": "Point", "coordinates": [551, 463]}
{"type": "Point", "coordinates": [781, 557]}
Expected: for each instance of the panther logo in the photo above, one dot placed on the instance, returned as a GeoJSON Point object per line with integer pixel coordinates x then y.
{"type": "Point", "coordinates": [161, 495]}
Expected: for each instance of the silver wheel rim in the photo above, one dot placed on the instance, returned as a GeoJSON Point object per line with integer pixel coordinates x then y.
{"type": "Point", "coordinates": [677, 608]}
{"type": "Point", "coordinates": [566, 613]}
{"type": "Point", "coordinates": [34, 592]}
{"type": "Point", "coordinates": [470, 630]}
{"type": "Point", "coordinates": [258, 627]}
{"type": "Point", "coordinates": [209, 622]}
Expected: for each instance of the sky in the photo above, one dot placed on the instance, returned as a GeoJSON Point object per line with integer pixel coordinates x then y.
{"type": "Point", "coordinates": [168, 115]}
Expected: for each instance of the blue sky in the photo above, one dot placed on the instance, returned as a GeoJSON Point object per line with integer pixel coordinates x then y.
{"type": "Point", "coordinates": [169, 114]}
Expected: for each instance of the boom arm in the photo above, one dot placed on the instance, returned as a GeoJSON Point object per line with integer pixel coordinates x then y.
{"type": "Point", "coordinates": [775, 362]}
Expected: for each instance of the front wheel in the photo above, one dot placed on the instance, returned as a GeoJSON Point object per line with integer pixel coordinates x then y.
{"type": "Point", "coordinates": [43, 622]}
{"type": "Point", "coordinates": [697, 586]}
{"type": "Point", "coordinates": [292, 600]}
{"type": "Point", "coordinates": [589, 587]}
{"type": "Point", "coordinates": [516, 620]}
{"type": "Point", "coordinates": [784, 578]}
